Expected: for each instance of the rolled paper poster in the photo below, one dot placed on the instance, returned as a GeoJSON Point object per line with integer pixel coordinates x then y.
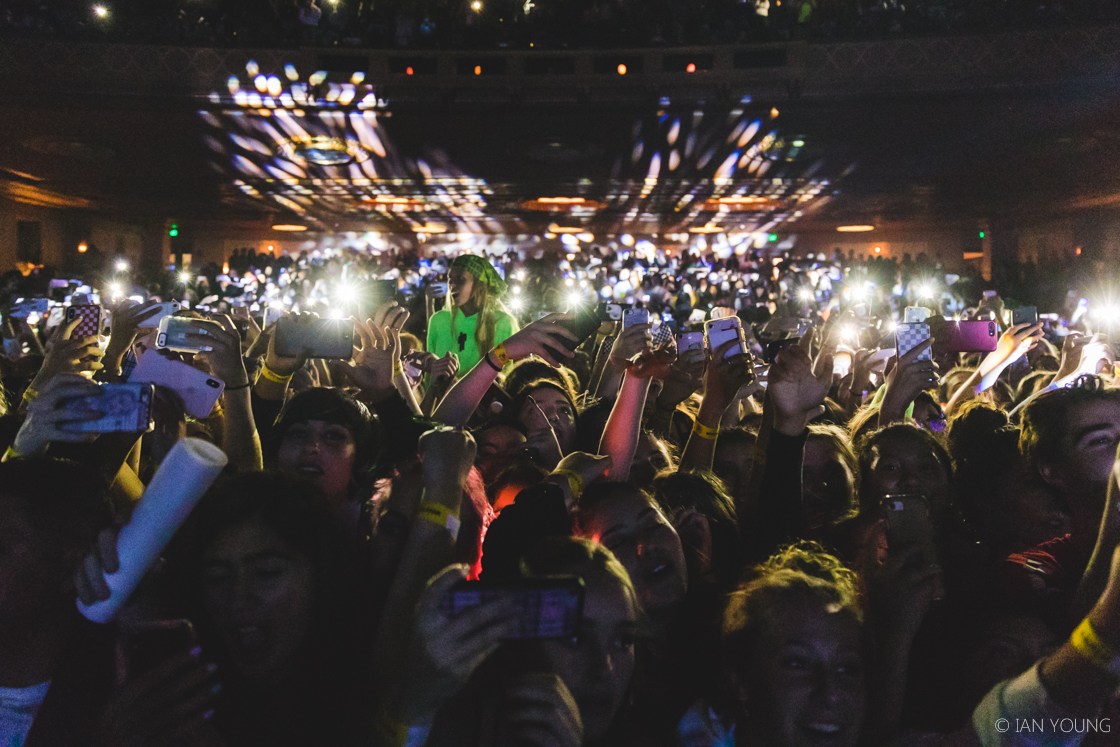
{"type": "Point", "coordinates": [187, 472]}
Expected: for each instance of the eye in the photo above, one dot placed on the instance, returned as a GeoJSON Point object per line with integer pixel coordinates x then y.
{"type": "Point", "coordinates": [624, 642]}
{"type": "Point", "coordinates": [795, 663]}
{"type": "Point", "coordinates": [851, 668]}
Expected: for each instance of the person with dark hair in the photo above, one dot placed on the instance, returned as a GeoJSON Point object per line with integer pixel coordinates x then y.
{"type": "Point", "coordinates": [329, 437]}
{"type": "Point", "coordinates": [51, 658]}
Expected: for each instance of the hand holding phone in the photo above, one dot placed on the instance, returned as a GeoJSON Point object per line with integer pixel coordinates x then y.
{"type": "Point", "coordinates": [122, 408]}
{"type": "Point", "coordinates": [307, 336]}
{"type": "Point", "coordinates": [722, 331]}
{"type": "Point", "coordinates": [548, 607]}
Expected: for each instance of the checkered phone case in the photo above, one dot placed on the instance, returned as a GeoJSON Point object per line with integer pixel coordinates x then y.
{"type": "Point", "coordinates": [910, 335]}
{"type": "Point", "coordinates": [90, 324]}
{"type": "Point", "coordinates": [661, 335]}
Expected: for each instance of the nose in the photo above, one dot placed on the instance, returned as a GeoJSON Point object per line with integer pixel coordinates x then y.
{"type": "Point", "coordinates": [829, 686]}
{"type": "Point", "coordinates": [242, 595]}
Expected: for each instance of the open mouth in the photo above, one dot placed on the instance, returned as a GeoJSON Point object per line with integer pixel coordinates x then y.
{"type": "Point", "coordinates": [310, 470]}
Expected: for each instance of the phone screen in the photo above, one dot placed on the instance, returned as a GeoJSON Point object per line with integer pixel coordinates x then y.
{"type": "Point", "coordinates": [547, 607]}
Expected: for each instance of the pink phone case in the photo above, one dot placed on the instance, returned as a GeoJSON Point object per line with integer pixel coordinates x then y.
{"type": "Point", "coordinates": [980, 336]}
{"type": "Point", "coordinates": [198, 390]}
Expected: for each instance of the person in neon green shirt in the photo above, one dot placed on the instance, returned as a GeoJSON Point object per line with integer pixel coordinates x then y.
{"type": "Point", "coordinates": [475, 319]}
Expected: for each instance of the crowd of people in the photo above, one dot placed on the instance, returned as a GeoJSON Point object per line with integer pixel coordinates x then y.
{"type": "Point", "coordinates": [576, 496]}
{"type": "Point", "coordinates": [524, 24]}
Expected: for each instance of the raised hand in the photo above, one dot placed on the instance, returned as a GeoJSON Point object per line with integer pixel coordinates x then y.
{"type": "Point", "coordinates": [545, 338]}
{"type": "Point", "coordinates": [67, 355]}
{"type": "Point", "coordinates": [49, 414]}
{"type": "Point", "coordinates": [1013, 344]}
{"type": "Point", "coordinates": [797, 389]}
{"type": "Point", "coordinates": [905, 382]}
{"type": "Point", "coordinates": [220, 349]}
{"type": "Point", "coordinates": [447, 453]}
{"type": "Point", "coordinates": [632, 342]}
{"type": "Point", "coordinates": [448, 649]}
{"type": "Point", "coordinates": [725, 376]}
{"type": "Point", "coordinates": [375, 361]}
{"type": "Point", "coordinates": [124, 328]}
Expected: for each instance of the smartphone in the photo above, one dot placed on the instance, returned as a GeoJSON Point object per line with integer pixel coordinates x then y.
{"type": "Point", "coordinates": [311, 337]}
{"type": "Point", "coordinates": [910, 524]}
{"type": "Point", "coordinates": [90, 324]}
{"type": "Point", "coordinates": [978, 336]}
{"type": "Point", "coordinates": [198, 390]}
{"type": "Point", "coordinates": [720, 331]}
{"type": "Point", "coordinates": [690, 347]}
{"type": "Point", "coordinates": [147, 645]}
{"type": "Point", "coordinates": [172, 334]}
{"type": "Point", "coordinates": [1024, 315]}
{"type": "Point", "coordinates": [916, 314]}
{"type": "Point", "coordinates": [273, 314]}
{"type": "Point", "coordinates": [910, 335]}
{"type": "Point", "coordinates": [548, 607]}
{"type": "Point", "coordinates": [24, 307]}
{"type": "Point", "coordinates": [124, 408]}
{"type": "Point", "coordinates": [841, 363]}
{"type": "Point", "coordinates": [609, 312]}
{"type": "Point", "coordinates": [990, 294]}
{"type": "Point", "coordinates": [634, 317]}
{"type": "Point", "coordinates": [166, 309]}
{"type": "Point", "coordinates": [583, 325]}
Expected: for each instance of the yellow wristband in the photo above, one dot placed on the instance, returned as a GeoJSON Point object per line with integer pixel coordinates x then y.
{"type": "Point", "coordinates": [269, 375]}
{"type": "Point", "coordinates": [575, 482]}
{"type": "Point", "coordinates": [9, 454]}
{"type": "Point", "coordinates": [704, 432]}
{"type": "Point", "coordinates": [1087, 642]}
{"type": "Point", "coordinates": [398, 369]}
{"type": "Point", "coordinates": [500, 353]}
{"type": "Point", "coordinates": [440, 515]}
{"type": "Point", "coordinates": [29, 394]}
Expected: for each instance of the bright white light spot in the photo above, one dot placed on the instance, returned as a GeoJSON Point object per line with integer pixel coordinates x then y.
{"type": "Point", "coordinates": [806, 294]}
{"type": "Point", "coordinates": [121, 265]}
{"type": "Point", "coordinates": [101, 11]}
{"type": "Point", "coordinates": [476, 6]}
{"type": "Point", "coordinates": [346, 293]}
{"type": "Point", "coordinates": [184, 277]}
{"type": "Point", "coordinates": [573, 299]}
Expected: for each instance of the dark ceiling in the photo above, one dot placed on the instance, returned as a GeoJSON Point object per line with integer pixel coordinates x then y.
{"type": "Point", "coordinates": [908, 160]}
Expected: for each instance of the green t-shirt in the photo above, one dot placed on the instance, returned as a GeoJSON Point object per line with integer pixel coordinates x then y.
{"type": "Point", "coordinates": [461, 341]}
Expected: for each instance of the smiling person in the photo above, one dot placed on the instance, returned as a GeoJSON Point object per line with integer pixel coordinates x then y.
{"type": "Point", "coordinates": [475, 320]}
{"type": "Point", "coordinates": [793, 649]}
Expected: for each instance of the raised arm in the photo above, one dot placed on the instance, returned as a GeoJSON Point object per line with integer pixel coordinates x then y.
{"type": "Point", "coordinates": [543, 337]}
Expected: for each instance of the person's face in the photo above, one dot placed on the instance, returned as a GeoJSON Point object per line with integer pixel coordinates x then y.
{"type": "Point", "coordinates": [258, 592]}
{"type": "Point", "coordinates": [597, 663]}
{"type": "Point", "coordinates": [321, 451]}
{"type": "Point", "coordinates": [1081, 474]}
{"type": "Point", "coordinates": [645, 543]}
{"type": "Point", "coordinates": [905, 464]}
{"type": "Point", "coordinates": [828, 485]}
{"type": "Point", "coordinates": [497, 447]}
{"type": "Point", "coordinates": [553, 409]}
{"type": "Point", "coordinates": [460, 285]}
{"type": "Point", "coordinates": [805, 679]}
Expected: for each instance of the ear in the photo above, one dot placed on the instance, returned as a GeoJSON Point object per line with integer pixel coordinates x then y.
{"type": "Point", "coordinates": [1051, 475]}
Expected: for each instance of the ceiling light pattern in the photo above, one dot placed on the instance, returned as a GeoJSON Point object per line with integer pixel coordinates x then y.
{"type": "Point", "coordinates": [713, 171]}
{"type": "Point", "coordinates": [316, 147]}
